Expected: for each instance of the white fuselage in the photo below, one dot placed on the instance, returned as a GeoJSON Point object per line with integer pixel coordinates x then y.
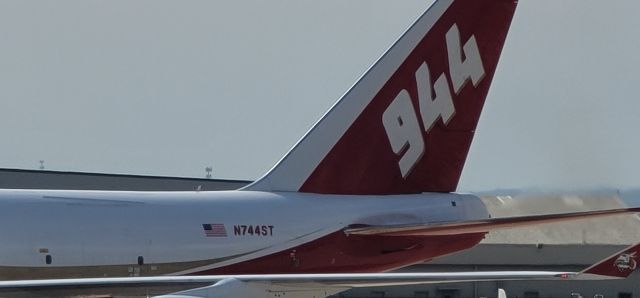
{"type": "Point", "coordinates": [95, 228]}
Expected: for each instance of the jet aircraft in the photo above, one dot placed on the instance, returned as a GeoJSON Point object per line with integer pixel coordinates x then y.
{"type": "Point", "coordinates": [370, 188]}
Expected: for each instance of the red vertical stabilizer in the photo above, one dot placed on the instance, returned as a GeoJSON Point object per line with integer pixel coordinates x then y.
{"type": "Point", "coordinates": [407, 124]}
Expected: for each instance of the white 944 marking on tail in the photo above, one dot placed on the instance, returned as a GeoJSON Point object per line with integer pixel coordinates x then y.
{"type": "Point", "coordinates": [400, 120]}
{"type": "Point", "coordinates": [400, 123]}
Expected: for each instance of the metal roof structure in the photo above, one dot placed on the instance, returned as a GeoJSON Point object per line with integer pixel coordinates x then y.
{"type": "Point", "coordinates": [39, 179]}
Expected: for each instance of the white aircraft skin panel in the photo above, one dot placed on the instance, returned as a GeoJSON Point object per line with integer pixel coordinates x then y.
{"type": "Point", "coordinates": [297, 165]}
{"type": "Point", "coordinates": [113, 228]}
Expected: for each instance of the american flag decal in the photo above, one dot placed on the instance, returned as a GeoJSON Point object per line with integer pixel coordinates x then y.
{"type": "Point", "coordinates": [214, 230]}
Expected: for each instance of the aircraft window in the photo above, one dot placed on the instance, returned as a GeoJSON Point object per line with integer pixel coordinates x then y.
{"type": "Point", "coordinates": [48, 260]}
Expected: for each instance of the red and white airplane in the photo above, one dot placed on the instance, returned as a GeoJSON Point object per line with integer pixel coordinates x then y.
{"type": "Point", "coordinates": [368, 189]}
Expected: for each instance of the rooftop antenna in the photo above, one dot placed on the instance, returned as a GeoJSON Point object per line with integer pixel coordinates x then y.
{"type": "Point", "coordinates": [208, 169]}
{"type": "Point", "coordinates": [41, 164]}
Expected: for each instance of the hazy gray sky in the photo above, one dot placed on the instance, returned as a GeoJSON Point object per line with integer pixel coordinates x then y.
{"type": "Point", "coordinates": [168, 87]}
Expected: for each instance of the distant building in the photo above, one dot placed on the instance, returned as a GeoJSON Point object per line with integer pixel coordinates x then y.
{"type": "Point", "coordinates": [33, 179]}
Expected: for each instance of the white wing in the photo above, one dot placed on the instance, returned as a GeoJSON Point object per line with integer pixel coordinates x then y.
{"type": "Point", "coordinates": [291, 285]}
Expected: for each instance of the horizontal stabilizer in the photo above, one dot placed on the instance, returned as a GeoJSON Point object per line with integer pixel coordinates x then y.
{"type": "Point", "coordinates": [479, 226]}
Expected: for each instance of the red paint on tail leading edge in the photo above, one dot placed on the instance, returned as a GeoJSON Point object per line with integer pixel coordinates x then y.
{"type": "Point", "coordinates": [407, 125]}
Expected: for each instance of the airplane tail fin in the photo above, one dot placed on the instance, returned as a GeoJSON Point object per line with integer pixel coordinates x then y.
{"type": "Point", "coordinates": [620, 265]}
{"type": "Point", "coordinates": [407, 124]}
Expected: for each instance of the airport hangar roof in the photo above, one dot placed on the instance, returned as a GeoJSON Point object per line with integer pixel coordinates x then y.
{"type": "Point", "coordinates": [41, 179]}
